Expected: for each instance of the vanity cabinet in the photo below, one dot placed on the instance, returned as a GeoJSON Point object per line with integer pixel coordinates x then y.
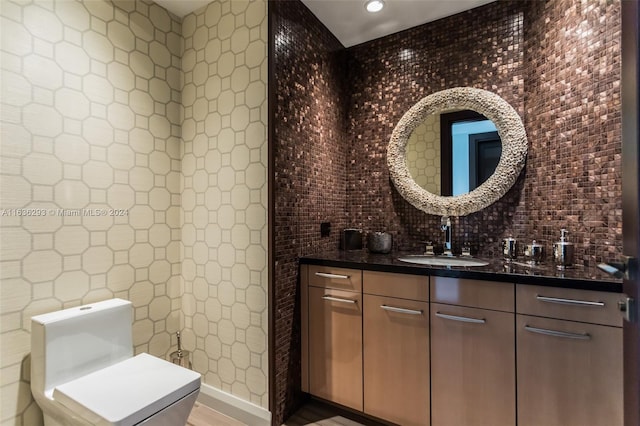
{"type": "Point", "coordinates": [472, 353]}
{"type": "Point", "coordinates": [396, 347]}
{"type": "Point", "coordinates": [569, 345]}
{"type": "Point", "coordinates": [333, 335]}
{"type": "Point", "coordinates": [419, 350]}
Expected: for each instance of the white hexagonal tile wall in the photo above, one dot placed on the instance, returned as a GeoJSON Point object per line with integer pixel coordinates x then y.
{"type": "Point", "coordinates": [72, 58]}
{"type": "Point", "coordinates": [97, 260]}
{"type": "Point", "coordinates": [95, 94]}
{"type": "Point", "coordinates": [72, 285]}
{"type": "Point", "coordinates": [16, 244]}
{"type": "Point", "coordinates": [221, 180]}
{"type": "Point", "coordinates": [70, 240]}
{"type": "Point", "coordinates": [120, 278]}
{"type": "Point", "coordinates": [71, 194]}
{"type": "Point", "coordinates": [42, 120]}
{"type": "Point", "coordinates": [40, 266]}
{"type": "Point", "coordinates": [15, 295]}
{"type": "Point", "coordinates": [121, 36]}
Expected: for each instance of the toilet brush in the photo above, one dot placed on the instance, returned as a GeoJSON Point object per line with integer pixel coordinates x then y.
{"type": "Point", "coordinates": [180, 357]}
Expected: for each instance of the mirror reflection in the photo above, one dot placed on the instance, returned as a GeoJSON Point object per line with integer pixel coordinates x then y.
{"type": "Point", "coordinates": [454, 152]}
{"type": "Point", "coordinates": [513, 145]}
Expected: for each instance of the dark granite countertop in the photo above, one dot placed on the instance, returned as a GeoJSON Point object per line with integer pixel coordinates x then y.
{"type": "Point", "coordinates": [579, 277]}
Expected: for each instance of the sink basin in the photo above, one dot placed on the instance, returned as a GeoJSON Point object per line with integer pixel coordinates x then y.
{"type": "Point", "coordinates": [442, 260]}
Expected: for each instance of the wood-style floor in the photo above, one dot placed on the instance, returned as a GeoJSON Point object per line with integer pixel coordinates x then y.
{"type": "Point", "coordinates": [313, 413]}
{"type": "Point", "coordinates": [204, 416]}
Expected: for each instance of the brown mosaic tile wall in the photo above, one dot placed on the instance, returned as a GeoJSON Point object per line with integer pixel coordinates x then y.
{"type": "Point", "coordinates": [483, 48]}
{"type": "Point", "coordinates": [573, 119]}
{"type": "Point", "coordinates": [310, 171]}
{"type": "Point", "coordinates": [556, 62]}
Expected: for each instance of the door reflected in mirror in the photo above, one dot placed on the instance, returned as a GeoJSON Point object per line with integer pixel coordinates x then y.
{"type": "Point", "coordinates": [454, 152]}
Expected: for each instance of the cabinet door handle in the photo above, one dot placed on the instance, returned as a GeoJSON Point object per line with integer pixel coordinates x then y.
{"type": "Point", "coordinates": [327, 275]}
{"type": "Point", "coordinates": [401, 310]}
{"type": "Point", "coordinates": [572, 302]}
{"type": "Point", "coordinates": [338, 299]}
{"type": "Point", "coordinates": [557, 333]}
{"type": "Point", "coordinates": [461, 319]}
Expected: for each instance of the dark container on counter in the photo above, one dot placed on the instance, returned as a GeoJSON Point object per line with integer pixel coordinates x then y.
{"type": "Point", "coordinates": [351, 239]}
{"type": "Point", "coordinates": [379, 242]}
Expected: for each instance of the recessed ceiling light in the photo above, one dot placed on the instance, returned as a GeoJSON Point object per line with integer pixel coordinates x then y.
{"type": "Point", "coordinates": [374, 6]}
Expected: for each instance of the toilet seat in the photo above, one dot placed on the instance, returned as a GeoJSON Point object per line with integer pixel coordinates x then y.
{"type": "Point", "coordinates": [126, 393]}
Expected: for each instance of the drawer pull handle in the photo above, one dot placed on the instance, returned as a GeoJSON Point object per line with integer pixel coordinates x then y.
{"type": "Point", "coordinates": [557, 333]}
{"type": "Point", "coordinates": [401, 310]}
{"type": "Point", "coordinates": [568, 301]}
{"type": "Point", "coordinates": [338, 299]}
{"type": "Point", "coordinates": [461, 319]}
{"type": "Point", "coordinates": [327, 275]}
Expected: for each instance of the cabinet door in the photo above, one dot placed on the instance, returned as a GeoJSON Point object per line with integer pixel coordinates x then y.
{"type": "Point", "coordinates": [569, 373]}
{"type": "Point", "coordinates": [396, 360]}
{"type": "Point", "coordinates": [335, 346]}
{"type": "Point", "coordinates": [472, 367]}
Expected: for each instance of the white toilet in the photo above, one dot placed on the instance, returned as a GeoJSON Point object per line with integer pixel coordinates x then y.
{"type": "Point", "coordinates": [83, 371]}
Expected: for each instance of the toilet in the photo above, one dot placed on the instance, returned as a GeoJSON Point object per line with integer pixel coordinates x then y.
{"type": "Point", "coordinates": [83, 371]}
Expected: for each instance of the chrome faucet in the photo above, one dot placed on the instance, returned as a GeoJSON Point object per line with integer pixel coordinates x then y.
{"type": "Point", "coordinates": [445, 226]}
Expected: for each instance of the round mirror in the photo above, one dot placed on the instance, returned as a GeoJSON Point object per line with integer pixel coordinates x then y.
{"type": "Point", "coordinates": [495, 149]}
{"type": "Point", "coordinates": [452, 153]}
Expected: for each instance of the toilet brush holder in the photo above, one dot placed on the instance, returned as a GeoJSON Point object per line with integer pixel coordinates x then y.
{"type": "Point", "coordinates": [180, 357]}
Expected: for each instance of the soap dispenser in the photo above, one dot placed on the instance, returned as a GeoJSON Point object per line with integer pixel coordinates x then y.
{"type": "Point", "coordinates": [563, 251]}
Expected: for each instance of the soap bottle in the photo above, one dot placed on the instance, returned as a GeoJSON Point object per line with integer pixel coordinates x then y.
{"type": "Point", "coordinates": [563, 252]}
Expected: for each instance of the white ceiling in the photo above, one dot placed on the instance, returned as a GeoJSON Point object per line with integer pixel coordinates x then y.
{"type": "Point", "coordinates": [349, 21]}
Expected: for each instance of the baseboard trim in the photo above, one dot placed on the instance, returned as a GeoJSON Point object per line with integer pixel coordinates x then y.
{"type": "Point", "coordinates": [233, 406]}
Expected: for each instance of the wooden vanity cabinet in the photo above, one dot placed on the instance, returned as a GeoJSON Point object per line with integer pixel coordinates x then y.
{"type": "Point", "coordinates": [569, 372]}
{"type": "Point", "coordinates": [332, 335]}
{"type": "Point", "coordinates": [417, 350]}
{"type": "Point", "coordinates": [472, 353]}
{"type": "Point", "coordinates": [396, 347]}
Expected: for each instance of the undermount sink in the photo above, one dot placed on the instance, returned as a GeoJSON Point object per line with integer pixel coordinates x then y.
{"type": "Point", "coordinates": [442, 260]}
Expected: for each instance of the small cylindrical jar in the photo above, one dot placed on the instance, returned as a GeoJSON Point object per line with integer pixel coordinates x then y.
{"type": "Point", "coordinates": [379, 242]}
{"type": "Point", "coordinates": [509, 249]}
{"type": "Point", "coordinates": [351, 239]}
{"type": "Point", "coordinates": [534, 253]}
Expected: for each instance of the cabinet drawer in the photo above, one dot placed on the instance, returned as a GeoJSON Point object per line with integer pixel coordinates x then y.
{"type": "Point", "coordinates": [403, 286]}
{"type": "Point", "coordinates": [337, 278]}
{"type": "Point", "coordinates": [474, 293]}
{"type": "Point", "coordinates": [564, 303]}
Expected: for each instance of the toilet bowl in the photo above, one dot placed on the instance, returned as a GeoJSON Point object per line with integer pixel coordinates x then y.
{"type": "Point", "coordinates": [83, 371]}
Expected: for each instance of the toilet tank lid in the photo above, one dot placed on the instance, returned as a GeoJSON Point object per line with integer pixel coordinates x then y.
{"type": "Point", "coordinates": [128, 392]}
{"type": "Point", "coordinates": [79, 311]}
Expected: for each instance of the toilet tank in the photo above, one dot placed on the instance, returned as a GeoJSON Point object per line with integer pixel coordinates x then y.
{"type": "Point", "coordinates": [74, 342]}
